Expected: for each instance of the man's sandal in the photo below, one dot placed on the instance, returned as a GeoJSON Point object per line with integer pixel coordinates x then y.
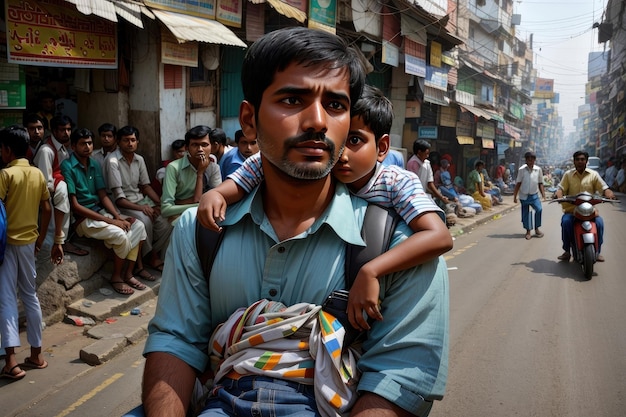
{"type": "Point", "coordinates": [143, 274]}
{"type": "Point", "coordinates": [132, 281]}
{"type": "Point", "coordinates": [12, 375]}
{"type": "Point", "coordinates": [121, 287]}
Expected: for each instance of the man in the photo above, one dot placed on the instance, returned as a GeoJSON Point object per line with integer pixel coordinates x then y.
{"type": "Point", "coordinates": [394, 158]}
{"type": "Point", "coordinates": [620, 178]}
{"type": "Point", "coordinates": [298, 87]}
{"type": "Point", "coordinates": [35, 126]}
{"type": "Point", "coordinates": [97, 216]}
{"type": "Point", "coordinates": [47, 108]}
{"type": "Point", "coordinates": [127, 178]}
{"type": "Point", "coordinates": [528, 184]}
{"type": "Point", "coordinates": [476, 186]}
{"type": "Point", "coordinates": [186, 179]}
{"type": "Point", "coordinates": [420, 164]}
{"type": "Point", "coordinates": [108, 141]}
{"type": "Point", "coordinates": [576, 180]}
{"type": "Point", "coordinates": [235, 157]}
{"type": "Point", "coordinates": [48, 159]}
{"type": "Point", "coordinates": [611, 173]}
{"type": "Point", "coordinates": [219, 144]}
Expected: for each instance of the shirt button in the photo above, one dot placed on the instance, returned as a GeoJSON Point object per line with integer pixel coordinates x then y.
{"type": "Point", "coordinates": [281, 249]}
{"type": "Point", "coordinates": [273, 292]}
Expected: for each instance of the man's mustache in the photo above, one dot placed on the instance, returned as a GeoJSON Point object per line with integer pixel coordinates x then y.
{"type": "Point", "coordinates": [308, 137]}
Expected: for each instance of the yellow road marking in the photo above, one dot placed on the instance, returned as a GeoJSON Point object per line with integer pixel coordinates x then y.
{"type": "Point", "coordinates": [89, 395]}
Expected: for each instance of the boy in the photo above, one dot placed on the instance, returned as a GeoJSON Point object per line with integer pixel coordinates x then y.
{"type": "Point", "coordinates": [97, 217]}
{"type": "Point", "coordinates": [360, 167]}
{"type": "Point", "coordinates": [24, 191]}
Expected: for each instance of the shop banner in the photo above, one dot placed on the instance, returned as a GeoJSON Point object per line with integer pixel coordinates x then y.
{"type": "Point", "coordinates": [53, 33]}
{"type": "Point", "coordinates": [205, 8]}
{"type": "Point", "coordinates": [323, 14]}
{"type": "Point", "coordinates": [229, 12]}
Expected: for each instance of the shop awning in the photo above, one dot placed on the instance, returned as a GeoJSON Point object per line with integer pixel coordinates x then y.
{"type": "Point", "coordinates": [435, 96]}
{"type": "Point", "coordinates": [465, 140]}
{"type": "Point", "coordinates": [284, 9]}
{"type": "Point", "coordinates": [190, 28]}
{"type": "Point", "coordinates": [108, 9]}
{"type": "Point", "coordinates": [476, 111]}
{"type": "Point", "coordinates": [494, 115]}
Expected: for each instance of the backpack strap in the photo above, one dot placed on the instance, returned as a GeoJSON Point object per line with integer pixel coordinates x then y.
{"type": "Point", "coordinates": [378, 227]}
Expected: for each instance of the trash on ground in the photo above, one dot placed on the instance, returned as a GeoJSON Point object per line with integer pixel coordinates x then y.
{"type": "Point", "coordinates": [79, 321]}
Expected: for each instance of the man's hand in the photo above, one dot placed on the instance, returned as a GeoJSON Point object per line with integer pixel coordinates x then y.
{"type": "Point", "coordinates": [204, 163]}
{"type": "Point", "coordinates": [212, 209]}
{"type": "Point", "coordinates": [56, 254]}
{"type": "Point", "coordinates": [122, 224]}
{"type": "Point", "coordinates": [149, 211]}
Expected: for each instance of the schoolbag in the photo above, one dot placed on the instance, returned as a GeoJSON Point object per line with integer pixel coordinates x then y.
{"type": "Point", "coordinates": [3, 231]}
{"type": "Point", "coordinates": [378, 227]}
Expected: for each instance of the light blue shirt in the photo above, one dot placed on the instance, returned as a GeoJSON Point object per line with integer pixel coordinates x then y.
{"type": "Point", "coordinates": [406, 354]}
{"type": "Point", "coordinates": [229, 163]}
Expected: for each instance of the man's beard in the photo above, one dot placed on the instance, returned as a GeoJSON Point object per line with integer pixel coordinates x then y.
{"type": "Point", "coordinates": [303, 170]}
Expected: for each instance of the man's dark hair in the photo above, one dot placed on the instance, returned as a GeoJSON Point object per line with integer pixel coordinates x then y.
{"type": "Point", "coordinates": [178, 144]}
{"type": "Point", "coordinates": [107, 127]}
{"type": "Point", "coordinates": [80, 134]}
{"type": "Point", "coordinates": [276, 50]}
{"type": "Point", "coordinates": [217, 135]}
{"type": "Point", "coordinates": [579, 153]}
{"type": "Point", "coordinates": [61, 120]}
{"type": "Point", "coordinates": [16, 138]}
{"type": "Point", "coordinates": [127, 131]}
{"type": "Point", "coordinates": [478, 163]}
{"type": "Point", "coordinates": [420, 145]}
{"type": "Point", "coordinates": [197, 132]}
{"type": "Point", "coordinates": [238, 135]}
{"type": "Point", "coordinates": [34, 118]}
{"type": "Point", "coordinates": [376, 111]}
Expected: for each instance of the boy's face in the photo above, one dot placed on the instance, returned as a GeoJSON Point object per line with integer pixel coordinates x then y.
{"type": "Point", "coordinates": [179, 153]}
{"type": "Point", "coordinates": [199, 148]}
{"type": "Point", "coordinates": [83, 147]}
{"type": "Point", "coordinates": [360, 155]}
{"type": "Point", "coordinates": [107, 139]}
{"type": "Point", "coordinates": [128, 144]}
{"type": "Point", "coordinates": [35, 131]}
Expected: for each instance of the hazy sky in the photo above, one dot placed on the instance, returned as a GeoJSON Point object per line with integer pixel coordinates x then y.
{"type": "Point", "coordinates": [563, 38]}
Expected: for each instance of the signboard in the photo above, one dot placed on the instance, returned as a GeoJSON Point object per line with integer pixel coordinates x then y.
{"type": "Point", "coordinates": [54, 33]}
{"type": "Point", "coordinates": [544, 88]}
{"type": "Point", "coordinates": [12, 87]}
{"type": "Point", "coordinates": [427, 132]}
{"type": "Point", "coordinates": [229, 12]}
{"type": "Point", "coordinates": [204, 8]}
{"type": "Point", "coordinates": [174, 53]}
{"type": "Point", "coordinates": [323, 14]}
{"type": "Point", "coordinates": [391, 54]}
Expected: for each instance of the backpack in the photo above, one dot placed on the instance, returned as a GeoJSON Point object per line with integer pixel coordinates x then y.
{"type": "Point", "coordinates": [3, 231]}
{"type": "Point", "coordinates": [378, 227]}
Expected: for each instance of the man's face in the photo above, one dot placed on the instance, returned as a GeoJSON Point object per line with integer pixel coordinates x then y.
{"type": "Point", "coordinates": [83, 148]}
{"type": "Point", "coordinates": [107, 139]}
{"type": "Point", "coordinates": [47, 105]}
{"type": "Point", "coordinates": [423, 155]}
{"type": "Point", "coordinates": [247, 147]}
{"type": "Point", "coordinates": [530, 161]}
{"type": "Point", "coordinates": [580, 163]}
{"type": "Point", "coordinates": [35, 131]}
{"type": "Point", "coordinates": [359, 155]}
{"type": "Point", "coordinates": [62, 133]}
{"type": "Point", "coordinates": [128, 144]}
{"type": "Point", "coordinates": [199, 148]}
{"type": "Point", "coordinates": [179, 153]}
{"type": "Point", "coordinates": [303, 120]}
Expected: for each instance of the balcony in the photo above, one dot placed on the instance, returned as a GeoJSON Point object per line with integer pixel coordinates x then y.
{"type": "Point", "coordinates": [491, 17]}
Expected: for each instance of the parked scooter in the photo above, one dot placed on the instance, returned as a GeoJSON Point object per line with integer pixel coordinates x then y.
{"type": "Point", "coordinates": [585, 248]}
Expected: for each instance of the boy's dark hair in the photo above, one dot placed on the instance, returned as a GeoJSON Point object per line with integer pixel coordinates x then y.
{"type": "Point", "coordinates": [107, 127]}
{"type": "Point", "coordinates": [376, 111]}
{"type": "Point", "coordinates": [581, 153]}
{"type": "Point", "coordinates": [80, 134]}
{"type": "Point", "coordinates": [34, 118]}
{"type": "Point", "coordinates": [61, 120]}
{"type": "Point", "coordinates": [420, 145]}
{"type": "Point", "coordinates": [197, 132]}
{"type": "Point", "coordinates": [217, 135]}
{"type": "Point", "coordinates": [16, 138]}
{"type": "Point", "coordinates": [276, 50]}
{"type": "Point", "coordinates": [178, 144]}
{"type": "Point", "coordinates": [238, 135]}
{"type": "Point", "coordinates": [127, 131]}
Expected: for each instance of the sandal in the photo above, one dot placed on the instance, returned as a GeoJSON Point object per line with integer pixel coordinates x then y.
{"type": "Point", "coordinates": [158, 267]}
{"type": "Point", "coordinates": [69, 247]}
{"type": "Point", "coordinates": [124, 289]}
{"type": "Point", "coordinates": [528, 236]}
{"type": "Point", "coordinates": [31, 364]}
{"type": "Point", "coordinates": [132, 281]}
{"type": "Point", "coordinates": [143, 274]}
{"type": "Point", "coordinates": [11, 375]}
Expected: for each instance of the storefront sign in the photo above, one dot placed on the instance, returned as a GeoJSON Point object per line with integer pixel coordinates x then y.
{"type": "Point", "coordinates": [12, 87]}
{"type": "Point", "coordinates": [54, 33]}
{"type": "Point", "coordinates": [323, 14]}
{"type": "Point", "coordinates": [174, 53]}
{"type": "Point", "coordinates": [485, 130]}
{"type": "Point", "coordinates": [464, 129]}
{"type": "Point", "coordinates": [229, 12]}
{"type": "Point", "coordinates": [427, 132]}
{"type": "Point", "coordinates": [391, 54]}
{"type": "Point", "coordinates": [205, 8]}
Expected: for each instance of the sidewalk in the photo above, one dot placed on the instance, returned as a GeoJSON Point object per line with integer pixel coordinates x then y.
{"type": "Point", "coordinates": [466, 225]}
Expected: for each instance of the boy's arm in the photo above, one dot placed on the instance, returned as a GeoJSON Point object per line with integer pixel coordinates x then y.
{"type": "Point", "coordinates": [56, 252]}
{"type": "Point", "coordinates": [431, 238]}
{"type": "Point", "coordinates": [212, 207]}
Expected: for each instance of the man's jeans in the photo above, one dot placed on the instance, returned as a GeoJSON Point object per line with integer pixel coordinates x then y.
{"type": "Point", "coordinates": [256, 396]}
{"type": "Point", "coordinates": [531, 201]}
{"type": "Point", "coordinates": [567, 231]}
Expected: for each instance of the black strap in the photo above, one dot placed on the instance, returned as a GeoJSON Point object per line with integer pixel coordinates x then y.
{"type": "Point", "coordinates": [378, 227]}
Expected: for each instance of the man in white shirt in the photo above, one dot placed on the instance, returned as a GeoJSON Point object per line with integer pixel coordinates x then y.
{"type": "Point", "coordinates": [529, 183]}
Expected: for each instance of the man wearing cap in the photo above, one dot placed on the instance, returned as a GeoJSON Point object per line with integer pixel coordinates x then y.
{"type": "Point", "coordinates": [528, 184]}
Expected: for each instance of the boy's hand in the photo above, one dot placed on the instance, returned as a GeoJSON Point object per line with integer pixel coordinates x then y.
{"type": "Point", "coordinates": [363, 297]}
{"type": "Point", "coordinates": [56, 254]}
{"type": "Point", "coordinates": [212, 209]}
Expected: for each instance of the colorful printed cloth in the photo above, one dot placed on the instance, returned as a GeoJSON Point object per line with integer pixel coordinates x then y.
{"type": "Point", "coordinates": [300, 343]}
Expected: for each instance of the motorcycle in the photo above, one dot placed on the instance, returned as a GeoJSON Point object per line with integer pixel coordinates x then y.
{"type": "Point", "coordinates": [585, 248]}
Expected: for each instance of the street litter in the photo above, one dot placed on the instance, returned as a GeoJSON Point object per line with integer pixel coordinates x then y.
{"type": "Point", "coordinates": [79, 321]}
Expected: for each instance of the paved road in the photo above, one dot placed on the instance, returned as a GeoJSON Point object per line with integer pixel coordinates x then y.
{"type": "Point", "coordinates": [529, 336]}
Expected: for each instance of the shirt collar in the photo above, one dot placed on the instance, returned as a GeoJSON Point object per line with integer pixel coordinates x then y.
{"type": "Point", "coordinates": [339, 215]}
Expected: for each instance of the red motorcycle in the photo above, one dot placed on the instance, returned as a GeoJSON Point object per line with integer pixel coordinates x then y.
{"type": "Point", "coordinates": [585, 248]}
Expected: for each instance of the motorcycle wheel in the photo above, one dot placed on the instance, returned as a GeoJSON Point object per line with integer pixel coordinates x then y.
{"type": "Point", "coordinates": [589, 255]}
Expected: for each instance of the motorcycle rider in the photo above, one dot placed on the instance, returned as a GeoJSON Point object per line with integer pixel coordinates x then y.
{"type": "Point", "coordinates": [574, 181]}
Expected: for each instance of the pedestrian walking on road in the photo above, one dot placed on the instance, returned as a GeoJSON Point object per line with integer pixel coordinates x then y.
{"type": "Point", "coordinates": [529, 184]}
